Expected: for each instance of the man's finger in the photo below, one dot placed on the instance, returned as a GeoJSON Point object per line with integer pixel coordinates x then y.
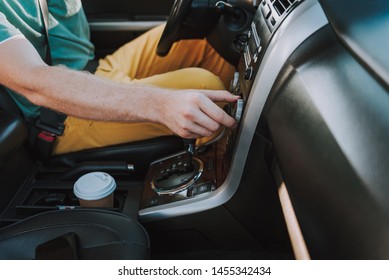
{"type": "Point", "coordinates": [216, 113]}
{"type": "Point", "coordinates": [220, 95]}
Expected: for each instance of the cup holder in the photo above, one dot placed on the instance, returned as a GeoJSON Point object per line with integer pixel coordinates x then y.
{"type": "Point", "coordinates": [41, 200]}
{"type": "Point", "coordinates": [54, 199]}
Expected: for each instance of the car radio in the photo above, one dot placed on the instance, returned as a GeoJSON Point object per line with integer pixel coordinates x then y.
{"type": "Point", "coordinates": [270, 14]}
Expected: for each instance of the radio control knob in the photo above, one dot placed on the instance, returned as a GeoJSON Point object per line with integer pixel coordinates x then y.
{"type": "Point", "coordinates": [239, 110]}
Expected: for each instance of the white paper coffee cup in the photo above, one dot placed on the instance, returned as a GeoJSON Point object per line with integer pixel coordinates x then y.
{"type": "Point", "coordinates": [95, 189]}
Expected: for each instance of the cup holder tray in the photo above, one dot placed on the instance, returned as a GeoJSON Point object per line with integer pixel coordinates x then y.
{"type": "Point", "coordinates": [44, 196]}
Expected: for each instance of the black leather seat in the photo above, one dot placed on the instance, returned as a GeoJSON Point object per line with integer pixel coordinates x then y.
{"type": "Point", "coordinates": [99, 235]}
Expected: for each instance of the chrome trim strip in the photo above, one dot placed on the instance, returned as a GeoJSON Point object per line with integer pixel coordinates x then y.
{"type": "Point", "coordinates": [305, 19]}
{"type": "Point", "coordinates": [123, 25]}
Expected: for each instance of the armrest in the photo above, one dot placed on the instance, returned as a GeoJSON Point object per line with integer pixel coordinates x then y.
{"type": "Point", "coordinates": [13, 133]}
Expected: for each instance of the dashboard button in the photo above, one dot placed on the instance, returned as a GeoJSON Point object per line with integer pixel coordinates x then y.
{"type": "Point", "coordinates": [273, 21]}
{"type": "Point", "coordinates": [266, 11]}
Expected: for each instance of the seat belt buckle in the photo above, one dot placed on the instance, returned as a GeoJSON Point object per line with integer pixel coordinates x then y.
{"type": "Point", "coordinates": [49, 126]}
{"type": "Point", "coordinates": [44, 144]}
{"type": "Point", "coordinates": [57, 131]}
{"type": "Point", "coordinates": [47, 136]}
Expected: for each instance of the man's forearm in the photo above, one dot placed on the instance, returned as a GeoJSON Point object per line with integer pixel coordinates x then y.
{"type": "Point", "coordinates": [84, 95]}
{"type": "Point", "coordinates": [72, 92]}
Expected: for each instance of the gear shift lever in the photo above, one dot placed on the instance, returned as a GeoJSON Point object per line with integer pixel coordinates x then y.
{"type": "Point", "coordinates": [190, 145]}
{"type": "Point", "coordinates": [177, 173]}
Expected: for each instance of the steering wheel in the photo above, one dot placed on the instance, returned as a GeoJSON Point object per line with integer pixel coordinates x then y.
{"type": "Point", "coordinates": [171, 32]}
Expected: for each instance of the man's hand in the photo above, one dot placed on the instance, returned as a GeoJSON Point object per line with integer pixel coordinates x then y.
{"type": "Point", "coordinates": [193, 113]}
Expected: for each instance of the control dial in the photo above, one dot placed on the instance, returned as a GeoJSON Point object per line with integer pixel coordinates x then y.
{"type": "Point", "coordinates": [238, 110]}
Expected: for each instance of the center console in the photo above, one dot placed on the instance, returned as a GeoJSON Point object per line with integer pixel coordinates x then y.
{"type": "Point", "coordinates": [277, 29]}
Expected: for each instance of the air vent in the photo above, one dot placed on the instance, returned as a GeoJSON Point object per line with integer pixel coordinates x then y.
{"type": "Point", "coordinates": [281, 6]}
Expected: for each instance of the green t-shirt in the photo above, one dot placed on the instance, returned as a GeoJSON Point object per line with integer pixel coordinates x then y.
{"type": "Point", "coordinates": [68, 35]}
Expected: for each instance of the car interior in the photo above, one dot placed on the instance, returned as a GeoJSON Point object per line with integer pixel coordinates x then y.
{"type": "Point", "coordinates": [303, 175]}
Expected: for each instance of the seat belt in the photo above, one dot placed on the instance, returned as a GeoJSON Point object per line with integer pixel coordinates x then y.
{"type": "Point", "coordinates": [50, 124]}
{"type": "Point", "coordinates": [45, 16]}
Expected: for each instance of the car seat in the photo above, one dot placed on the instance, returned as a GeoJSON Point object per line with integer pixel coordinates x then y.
{"type": "Point", "coordinates": [75, 234]}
